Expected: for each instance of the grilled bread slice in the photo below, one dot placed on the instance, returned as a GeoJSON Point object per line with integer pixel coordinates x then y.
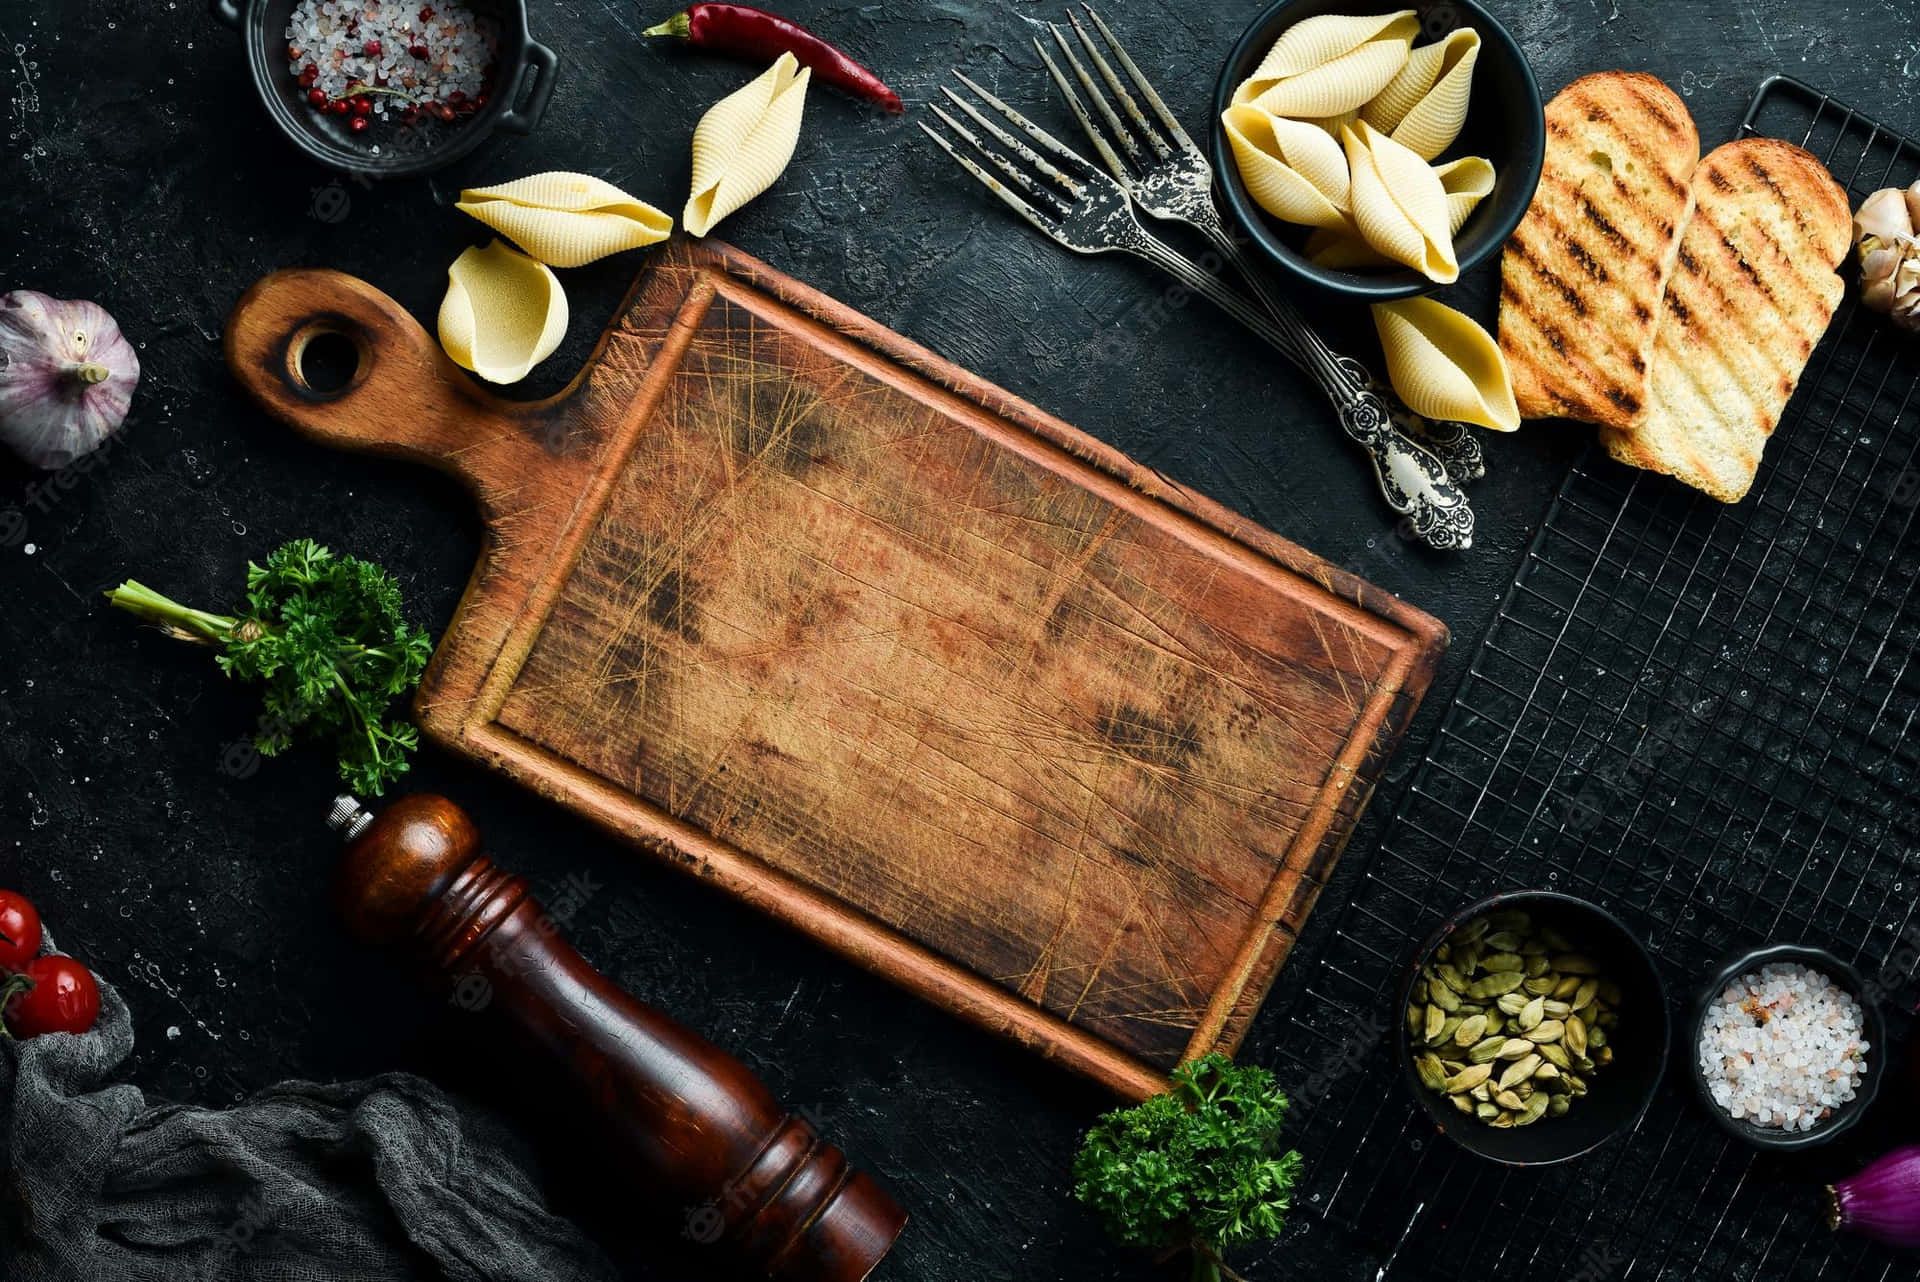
{"type": "Point", "coordinates": [1582, 276]}
{"type": "Point", "coordinates": [1752, 293]}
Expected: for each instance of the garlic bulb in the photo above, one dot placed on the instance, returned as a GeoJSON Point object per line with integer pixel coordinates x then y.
{"type": "Point", "coordinates": [1889, 253]}
{"type": "Point", "coordinates": [67, 375]}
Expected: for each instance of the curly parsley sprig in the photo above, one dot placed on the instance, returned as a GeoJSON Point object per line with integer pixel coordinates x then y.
{"type": "Point", "coordinates": [325, 637]}
{"type": "Point", "coordinates": [1196, 1169]}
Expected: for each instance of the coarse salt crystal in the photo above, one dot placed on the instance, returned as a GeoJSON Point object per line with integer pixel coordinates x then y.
{"type": "Point", "coordinates": [1782, 1047]}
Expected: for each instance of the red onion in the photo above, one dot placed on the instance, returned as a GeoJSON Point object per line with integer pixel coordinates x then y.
{"type": "Point", "coordinates": [1881, 1202]}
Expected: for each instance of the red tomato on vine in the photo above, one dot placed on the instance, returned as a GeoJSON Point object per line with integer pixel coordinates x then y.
{"type": "Point", "coordinates": [53, 994]}
{"type": "Point", "coordinates": [19, 931]}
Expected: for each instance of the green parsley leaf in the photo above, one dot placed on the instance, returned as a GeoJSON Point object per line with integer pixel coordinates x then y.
{"type": "Point", "coordinates": [326, 638]}
{"type": "Point", "coordinates": [1199, 1167]}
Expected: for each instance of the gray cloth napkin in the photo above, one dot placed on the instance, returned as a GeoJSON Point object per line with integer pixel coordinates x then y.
{"type": "Point", "coordinates": [380, 1179]}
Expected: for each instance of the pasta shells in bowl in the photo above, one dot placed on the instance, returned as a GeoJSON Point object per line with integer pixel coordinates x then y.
{"type": "Point", "coordinates": [1439, 122]}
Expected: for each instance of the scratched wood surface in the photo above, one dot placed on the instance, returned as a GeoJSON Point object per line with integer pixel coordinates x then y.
{"type": "Point", "coordinates": [888, 653]}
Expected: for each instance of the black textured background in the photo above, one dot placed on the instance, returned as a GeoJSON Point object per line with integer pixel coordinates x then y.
{"type": "Point", "coordinates": [138, 171]}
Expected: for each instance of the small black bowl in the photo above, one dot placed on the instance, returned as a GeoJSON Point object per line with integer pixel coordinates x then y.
{"type": "Point", "coordinates": [523, 75]}
{"type": "Point", "coordinates": [1505, 123]}
{"type": "Point", "coordinates": [1618, 1095]}
{"type": "Point", "coordinates": [1873, 1021]}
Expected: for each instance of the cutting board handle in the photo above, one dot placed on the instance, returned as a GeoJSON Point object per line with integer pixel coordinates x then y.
{"type": "Point", "coordinates": [403, 397]}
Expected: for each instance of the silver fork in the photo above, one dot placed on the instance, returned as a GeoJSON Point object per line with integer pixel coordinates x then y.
{"type": "Point", "coordinates": [1074, 203]}
{"type": "Point", "coordinates": [1175, 182]}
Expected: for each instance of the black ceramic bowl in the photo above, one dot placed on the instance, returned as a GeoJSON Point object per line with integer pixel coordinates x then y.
{"type": "Point", "coordinates": [1505, 123]}
{"type": "Point", "coordinates": [1618, 1095]}
{"type": "Point", "coordinates": [1875, 1023]}
{"type": "Point", "coordinates": [523, 73]}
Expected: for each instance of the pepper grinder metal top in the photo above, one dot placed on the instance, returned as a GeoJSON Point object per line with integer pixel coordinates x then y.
{"type": "Point", "coordinates": [348, 817]}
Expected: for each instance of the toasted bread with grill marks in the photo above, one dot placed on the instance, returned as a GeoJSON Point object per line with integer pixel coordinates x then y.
{"type": "Point", "coordinates": [1582, 276]}
{"type": "Point", "coordinates": [1753, 291]}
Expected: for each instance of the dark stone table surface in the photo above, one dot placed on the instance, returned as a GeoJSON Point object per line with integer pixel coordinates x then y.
{"type": "Point", "coordinates": [138, 170]}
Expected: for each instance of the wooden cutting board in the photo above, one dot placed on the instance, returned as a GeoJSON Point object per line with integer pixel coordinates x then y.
{"type": "Point", "coordinates": [887, 652]}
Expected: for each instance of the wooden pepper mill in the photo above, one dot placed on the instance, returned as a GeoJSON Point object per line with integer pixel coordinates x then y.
{"type": "Point", "coordinates": [699, 1128]}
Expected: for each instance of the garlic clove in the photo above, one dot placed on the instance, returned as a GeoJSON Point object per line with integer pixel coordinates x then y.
{"type": "Point", "coordinates": [1878, 268]}
{"type": "Point", "coordinates": [67, 376]}
{"type": "Point", "coordinates": [1882, 216]}
{"type": "Point", "coordinates": [1905, 282]}
{"type": "Point", "coordinates": [1912, 196]}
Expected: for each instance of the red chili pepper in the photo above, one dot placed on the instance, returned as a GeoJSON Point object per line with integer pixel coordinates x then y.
{"type": "Point", "coordinates": [762, 36]}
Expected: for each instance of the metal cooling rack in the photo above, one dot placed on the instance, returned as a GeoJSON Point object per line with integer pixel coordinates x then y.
{"type": "Point", "coordinates": [1702, 717]}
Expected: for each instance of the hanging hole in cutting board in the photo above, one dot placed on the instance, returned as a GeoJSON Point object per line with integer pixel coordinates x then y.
{"type": "Point", "coordinates": [325, 361]}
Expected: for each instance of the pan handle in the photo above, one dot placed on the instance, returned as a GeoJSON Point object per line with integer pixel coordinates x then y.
{"type": "Point", "coordinates": [541, 63]}
{"type": "Point", "coordinates": [228, 11]}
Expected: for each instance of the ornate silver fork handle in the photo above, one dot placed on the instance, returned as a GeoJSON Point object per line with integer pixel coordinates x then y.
{"type": "Point", "coordinates": [1450, 441]}
{"type": "Point", "coordinates": [1456, 448]}
{"type": "Point", "coordinates": [1414, 483]}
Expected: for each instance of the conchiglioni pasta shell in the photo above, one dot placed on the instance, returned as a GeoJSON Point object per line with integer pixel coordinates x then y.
{"type": "Point", "coordinates": [1445, 366]}
{"type": "Point", "coordinates": [503, 314]}
{"type": "Point", "coordinates": [1425, 106]}
{"type": "Point", "coordinates": [564, 219]}
{"type": "Point", "coordinates": [1399, 205]}
{"type": "Point", "coordinates": [1467, 182]}
{"type": "Point", "coordinates": [1292, 170]}
{"type": "Point", "coordinates": [744, 142]}
{"type": "Point", "coordinates": [1342, 248]}
{"type": "Point", "coordinates": [1333, 124]}
{"type": "Point", "coordinates": [1330, 64]}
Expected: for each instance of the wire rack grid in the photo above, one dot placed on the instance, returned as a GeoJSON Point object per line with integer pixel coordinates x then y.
{"type": "Point", "coordinates": [1702, 717]}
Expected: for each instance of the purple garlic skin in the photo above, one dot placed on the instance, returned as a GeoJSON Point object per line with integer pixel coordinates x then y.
{"type": "Point", "coordinates": [67, 376]}
{"type": "Point", "coordinates": [1881, 1202]}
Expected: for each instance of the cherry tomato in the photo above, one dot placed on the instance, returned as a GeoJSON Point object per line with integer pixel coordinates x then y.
{"type": "Point", "coordinates": [19, 931]}
{"type": "Point", "coordinates": [63, 999]}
